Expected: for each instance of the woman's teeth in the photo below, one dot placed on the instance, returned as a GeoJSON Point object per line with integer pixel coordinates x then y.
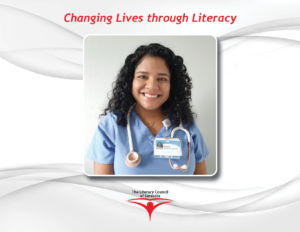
{"type": "Point", "coordinates": [152, 96]}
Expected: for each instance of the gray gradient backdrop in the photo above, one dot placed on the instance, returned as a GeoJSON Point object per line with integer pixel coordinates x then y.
{"type": "Point", "coordinates": [42, 184]}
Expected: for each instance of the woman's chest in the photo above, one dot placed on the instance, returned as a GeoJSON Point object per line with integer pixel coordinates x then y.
{"type": "Point", "coordinates": [143, 144]}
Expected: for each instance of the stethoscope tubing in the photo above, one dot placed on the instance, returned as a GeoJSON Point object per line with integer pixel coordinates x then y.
{"type": "Point", "coordinates": [129, 130]}
{"type": "Point", "coordinates": [188, 163]}
{"type": "Point", "coordinates": [172, 134]}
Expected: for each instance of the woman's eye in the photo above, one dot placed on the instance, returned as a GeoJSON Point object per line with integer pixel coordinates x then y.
{"type": "Point", "coordinates": [162, 79]}
{"type": "Point", "coordinates": [142, 77]}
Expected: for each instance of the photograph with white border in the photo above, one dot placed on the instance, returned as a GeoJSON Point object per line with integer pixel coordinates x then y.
{"type": "Point", "coordinates": [120, 149]}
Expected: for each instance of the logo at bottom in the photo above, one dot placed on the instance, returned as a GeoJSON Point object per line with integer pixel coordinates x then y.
{"type": "Point", "coordinates": [150, 207]}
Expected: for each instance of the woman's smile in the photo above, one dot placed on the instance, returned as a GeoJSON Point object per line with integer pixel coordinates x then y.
{"type": "Point", "coordinates": [150, 96]}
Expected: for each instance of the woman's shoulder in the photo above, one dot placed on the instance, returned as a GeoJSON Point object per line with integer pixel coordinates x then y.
{"type": "Point", "coordinates": [192, 127]}
{"type": "Point", "coordinates": [109, 120]}
{"type": "Point", "coordinates": [193, 130]}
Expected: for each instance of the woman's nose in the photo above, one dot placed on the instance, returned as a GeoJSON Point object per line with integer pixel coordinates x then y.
{"type": "Point", "coordinates": [152, 83]}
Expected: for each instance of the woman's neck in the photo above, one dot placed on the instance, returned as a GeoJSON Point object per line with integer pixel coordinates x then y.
{"type": "Point", "coordinates": [151, 118]}
{"type": "Point", "coordinates": [148, 114]}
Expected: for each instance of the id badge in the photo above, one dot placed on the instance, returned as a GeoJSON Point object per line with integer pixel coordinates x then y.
{"type": "Point", "coordinates": [167, 148]}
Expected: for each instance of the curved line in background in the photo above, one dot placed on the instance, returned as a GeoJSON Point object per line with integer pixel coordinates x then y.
{"type": "Point", "coordinates": [78, 179]}
{"type": "Point", "coordinates": [72, 168]}
{"type": "Point", "coordinates": [2, 55]}
{"type": "Point", "coordinates": [263, 27]}
{"type": "Point", "coordinates": [104, 184]}
{"type": "Point", "coordinates": [108, 184]}
{"type": "Point", "coordinates": [63, 166]}
{"type": "Point", "coordinates": [17, 9]}
{"type": "Point", "coordinates": [16, 192]}
{"type": "Point", "coordinates": [42, 49]}
{"type": "Point", "coordinates": [271, 191]}
{"type": "Point", "coordinates": [258, 37]}
{"type": "Point", "coordinates": [174, 205]}
{"type": "Point", "coordinates": [39, 63]}
{"type": "Point", "coordinates": [55, 63]}
{"type": "Point", "coordinates": [265, 194]}
{"type": "Point", "coordinates": [218, 189]}
{"type": "Point", "coordinates": [270, 194]}
{"type": "Point", "coordinates": [16, 172]}
{"type": "Point", "coordinates": [224, 204]}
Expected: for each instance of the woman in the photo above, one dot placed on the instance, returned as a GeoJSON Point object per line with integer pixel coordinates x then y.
{"type": "Point", "coordinates": [154, 83]}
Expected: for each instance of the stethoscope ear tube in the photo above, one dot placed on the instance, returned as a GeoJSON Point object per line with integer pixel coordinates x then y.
{"type": "Point", "coordinates": [181, 128]}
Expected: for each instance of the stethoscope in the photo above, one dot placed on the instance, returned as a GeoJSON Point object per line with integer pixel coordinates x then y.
{"type": "Point", "coordinates": [133, 159]}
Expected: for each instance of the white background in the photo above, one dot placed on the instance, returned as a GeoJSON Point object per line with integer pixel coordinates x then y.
{"type": "Point", "coordinates": [42, 186]}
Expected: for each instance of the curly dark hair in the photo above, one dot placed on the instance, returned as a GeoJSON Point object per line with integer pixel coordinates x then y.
{"type": "Point", "coordinates": [176, 108]}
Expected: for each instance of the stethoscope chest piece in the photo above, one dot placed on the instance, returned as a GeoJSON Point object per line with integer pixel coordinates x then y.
{"type": "Point", "coordinates": [133, 159]}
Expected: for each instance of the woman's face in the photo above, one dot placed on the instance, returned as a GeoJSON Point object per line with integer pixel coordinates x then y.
{"type": "Point", "coordinates": [151, 83]}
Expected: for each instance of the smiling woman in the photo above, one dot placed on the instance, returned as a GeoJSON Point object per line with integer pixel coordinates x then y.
{"type": "Point", "coordinates": [150, 98]}
{"type": "Point", "coordinates": [151, 83]}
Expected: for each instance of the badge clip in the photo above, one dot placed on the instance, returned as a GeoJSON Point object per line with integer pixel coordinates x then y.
{"type": "Point", "coordinates": [167, 124]}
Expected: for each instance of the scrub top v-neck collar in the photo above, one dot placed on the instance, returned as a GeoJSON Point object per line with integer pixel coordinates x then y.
{"type": "Point", "coordinates": [144, 129]}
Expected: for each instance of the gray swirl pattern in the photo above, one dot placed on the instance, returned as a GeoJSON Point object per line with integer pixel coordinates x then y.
{"type": "Point", "coordinates": [59, 197]}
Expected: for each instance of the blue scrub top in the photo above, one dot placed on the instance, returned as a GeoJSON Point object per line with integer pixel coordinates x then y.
{"type": "Point", "coordinates": [110, 146]}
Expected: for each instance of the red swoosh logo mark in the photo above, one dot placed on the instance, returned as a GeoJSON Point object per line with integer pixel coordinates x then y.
{"type": "Point", "coordinates": [150, 207]}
